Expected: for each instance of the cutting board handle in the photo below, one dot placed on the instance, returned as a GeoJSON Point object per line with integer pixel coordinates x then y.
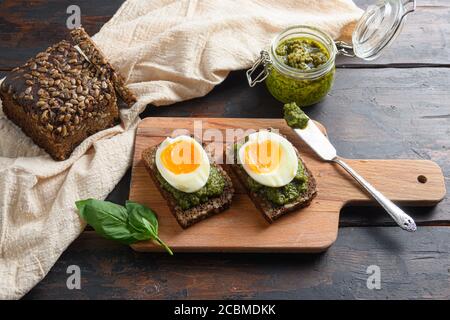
{"type": "Point", "coordinates": [408, 182]}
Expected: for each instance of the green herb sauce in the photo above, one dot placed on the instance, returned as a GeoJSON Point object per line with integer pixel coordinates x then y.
{"type": "Point", "coordinates": [294, 116]}
{"type": "Point", "coordinates": [303, 54]}
{"type": "Point", "coordinates": [283, 195]}
{"type": "Point", "coordinates": [213, 188]}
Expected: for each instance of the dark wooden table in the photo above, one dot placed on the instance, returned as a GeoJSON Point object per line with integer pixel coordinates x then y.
{"type": "Point", "coordinates": [395, 107]}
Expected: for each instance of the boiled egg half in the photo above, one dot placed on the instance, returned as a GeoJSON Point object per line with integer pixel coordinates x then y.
{"type": "Point", "coordinates": [269, 159]}
{"type": "Point", "coordinates": [183, 163]}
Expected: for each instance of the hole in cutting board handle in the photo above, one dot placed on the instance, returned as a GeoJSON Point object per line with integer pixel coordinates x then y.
{"type": "Point", "coordinates": [422, 179]}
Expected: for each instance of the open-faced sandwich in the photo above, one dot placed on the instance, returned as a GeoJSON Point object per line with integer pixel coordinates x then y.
{"type": "Point", "coordinates": [275, 176]}
{"type": "Point", "coordinates": [193, 185]}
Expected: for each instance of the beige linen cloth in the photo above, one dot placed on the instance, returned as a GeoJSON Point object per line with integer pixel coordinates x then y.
{"type": "Point", "coordinates": [167, 51]}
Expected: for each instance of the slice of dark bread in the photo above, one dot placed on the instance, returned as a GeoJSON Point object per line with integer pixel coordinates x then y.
{"type": "Point", "coordinates": [188, 217]}
{"type": "Point", "coordinates": [272, 211]}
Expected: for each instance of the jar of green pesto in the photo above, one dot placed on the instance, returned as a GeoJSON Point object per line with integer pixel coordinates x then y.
{"type": "Point", "coordinates": [299, 65]}
{"type": "Point", "coordinates": [302, 65]}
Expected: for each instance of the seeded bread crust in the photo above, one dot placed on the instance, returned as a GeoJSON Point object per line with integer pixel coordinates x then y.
{"type": "Point", "coordinates": [270, 211]}
{"type": "Point", "coordinates": [96, 56]}
{"type": "Point", "coordinates": [186, 218]}
{"type": "Point", "coordinates": [58, 98]}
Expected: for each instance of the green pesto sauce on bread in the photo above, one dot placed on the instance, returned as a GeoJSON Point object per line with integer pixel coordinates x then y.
{"type": "Point", "coordinates": [283, 195]}
{"type": "Point", "coordinates": [213, 188]}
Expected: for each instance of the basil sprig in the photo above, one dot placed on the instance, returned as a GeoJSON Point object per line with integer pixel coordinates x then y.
{"type": "Point", "coordinates": [128, 224]}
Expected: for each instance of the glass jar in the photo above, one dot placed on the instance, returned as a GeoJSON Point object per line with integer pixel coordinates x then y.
{"type": "Point", "coordinates": [305, 87]}
{"type": "Point", "coordinates": [376, 29]}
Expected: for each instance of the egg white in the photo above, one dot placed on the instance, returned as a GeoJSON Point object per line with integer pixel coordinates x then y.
{"type": "Point", "coordinates": [288, 165]}
{"type": "Point", "coordinates": [185, 182]}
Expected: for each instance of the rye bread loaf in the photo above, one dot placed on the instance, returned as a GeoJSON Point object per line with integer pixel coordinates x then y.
{"type": "Point", "coordinates": [60, 97]}
{"type": "Point", "coordinates": [98, 59]}
{"type": "Point", "coordinates": [271, 211]}
{"type": "Point", "coordinates": [188, 217]}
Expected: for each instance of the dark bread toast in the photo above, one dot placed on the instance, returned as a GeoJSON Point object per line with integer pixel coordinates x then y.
{"type": "Point", "coordinates": [188, 217]}
{"type": "Point", "coordinates": [270, 211]}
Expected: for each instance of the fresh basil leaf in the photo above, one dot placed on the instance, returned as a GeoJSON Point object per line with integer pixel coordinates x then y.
{"type": "Point", "coordinates": [164, 245]}
{"type": "Point", "coordinates": [114, 230]}
{"type": "Point", "coordinates": [86, 207]}
{"type": "Point", "coordinates": [137, 226]}
{"type": "Point", "coordinates": [144, 212]}
{"type": "Point", "coordinates": [127, 225]}
{"type": "Point", "coordinates": [140, 225]}
{"type": "Point", "coordinates": [144, 218]}
{"type": "Point", "coordinates": [108, 219]}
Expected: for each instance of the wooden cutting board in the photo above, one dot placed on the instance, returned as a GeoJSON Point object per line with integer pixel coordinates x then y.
{"type": "Point", "coordinates": [242, 228]}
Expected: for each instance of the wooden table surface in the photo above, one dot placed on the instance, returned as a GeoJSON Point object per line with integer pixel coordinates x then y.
{"type": "Point", "coordinates": [394, 107]}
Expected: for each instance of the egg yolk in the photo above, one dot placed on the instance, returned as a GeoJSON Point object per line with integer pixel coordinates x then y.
{"type": "Point", "coordinates": [263, 157]}
{"type": "Point", "coordinates": [181, 157]}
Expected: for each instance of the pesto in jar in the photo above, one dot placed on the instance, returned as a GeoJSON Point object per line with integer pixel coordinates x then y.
{"type": "Point", "coordinates": [213, 188]}
{"type": "Point", "coordinates": [304, 55]}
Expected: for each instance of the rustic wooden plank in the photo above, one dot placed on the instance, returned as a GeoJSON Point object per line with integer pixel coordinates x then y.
{"type": "Point", "coordinates": [412, 266]}
{"type": "Point", "coordinates": [28, 27]}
